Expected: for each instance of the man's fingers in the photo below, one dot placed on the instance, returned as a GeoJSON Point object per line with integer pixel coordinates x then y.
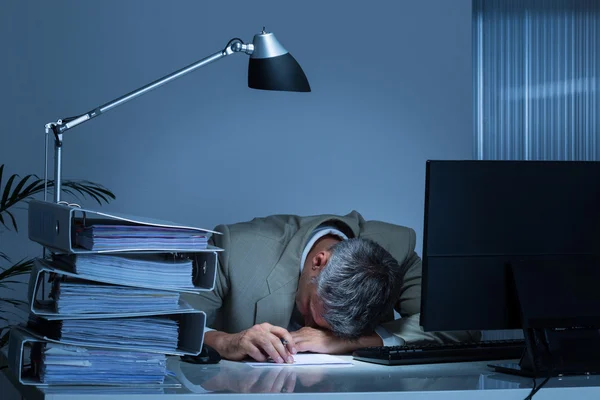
{"type": "Point", "coordinates": [265, 340]}
{"type": "Point", "coordinates": [302, 343]}
{"type": "Point", "coordinates": [267, 346]}
{"type": "Point", "coordinates": [299, 337]}
{"type": "Point", "coordinates": [255, 353]}
{"type": "Point", "coordinates": [302, 346]}
{"type": "Point", "coordinates": [281, 349]}
{"type": "Point", "coordinates": [285, 335]}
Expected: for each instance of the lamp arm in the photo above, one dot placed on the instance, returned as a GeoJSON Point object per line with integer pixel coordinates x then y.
{"type": "Point", "coordinates": [235, 45]}
{"type": "Point", "coordinates": [68, 123]}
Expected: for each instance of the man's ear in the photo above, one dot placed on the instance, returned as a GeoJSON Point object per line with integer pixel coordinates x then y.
{"type": "Point", "coordinates": [320, 260]}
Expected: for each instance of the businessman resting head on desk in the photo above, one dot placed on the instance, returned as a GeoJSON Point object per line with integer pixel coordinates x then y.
{"type": "Point", "coordinates": [325, 284]}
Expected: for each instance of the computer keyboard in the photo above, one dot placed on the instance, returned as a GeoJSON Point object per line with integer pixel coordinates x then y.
{"type": "Point", "coordinates": [442, 353]}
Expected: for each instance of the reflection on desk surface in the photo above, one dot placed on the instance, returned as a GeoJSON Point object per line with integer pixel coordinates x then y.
{"type": "Point", "coordinates": [497, 380]}
{"type": "Point", "coordinates": [232, 377]}
{"type": "Point", "coordinates": [235, 377]}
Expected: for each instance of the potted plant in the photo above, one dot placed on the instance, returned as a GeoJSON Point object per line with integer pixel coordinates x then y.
{"type": "Point", "coordinates": [16, 191]}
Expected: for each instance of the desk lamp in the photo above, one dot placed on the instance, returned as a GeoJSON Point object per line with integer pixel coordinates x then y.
{"type": "Point", "coordinates": [271, 67]}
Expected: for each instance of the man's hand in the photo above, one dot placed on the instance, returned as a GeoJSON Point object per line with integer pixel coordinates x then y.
{"type": "Point", "coordinates": [324, 341]}
{"type": "Point", "coordinates": [260, 342]}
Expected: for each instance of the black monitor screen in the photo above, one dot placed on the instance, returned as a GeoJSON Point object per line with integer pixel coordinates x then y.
{"type": "Point", "coordinates": [481, 217]}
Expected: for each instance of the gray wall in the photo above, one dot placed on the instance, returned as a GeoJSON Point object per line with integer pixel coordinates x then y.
{"type": "Point", "coordinates": [391, 88]}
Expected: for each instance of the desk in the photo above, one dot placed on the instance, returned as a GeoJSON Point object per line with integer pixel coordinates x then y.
{"type": "Point", "coordinates": [231, 380]}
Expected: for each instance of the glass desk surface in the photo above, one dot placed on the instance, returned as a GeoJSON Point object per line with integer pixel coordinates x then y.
{"type": "Point", "coordinates": [226, 379]}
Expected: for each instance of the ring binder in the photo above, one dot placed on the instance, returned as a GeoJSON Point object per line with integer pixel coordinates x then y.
{"type": "Point", "coordinates": [21, 341]}
{"type": "Point", "coordinates": [189, 342]}
{"type": "Point", "coordinates": [155, 261]}
{"type": "Point", "coordinates": [53, 226]}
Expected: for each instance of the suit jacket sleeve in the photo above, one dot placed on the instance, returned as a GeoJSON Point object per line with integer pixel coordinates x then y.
{"type": "Point", "coordinates": [211, 302]}
{"type": "Point", "coordinates": [408, 306]}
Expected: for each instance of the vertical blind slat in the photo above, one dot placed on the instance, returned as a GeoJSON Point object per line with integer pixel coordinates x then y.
{"type": "Point", "coordinates": [536, 84]}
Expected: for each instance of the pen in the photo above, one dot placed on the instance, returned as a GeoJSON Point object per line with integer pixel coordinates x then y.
{"type": "Point", "coordinates": [283, 342]}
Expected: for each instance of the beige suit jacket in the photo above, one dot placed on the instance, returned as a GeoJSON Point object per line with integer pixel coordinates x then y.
{"type": "Point", "coordinates": [258, 272]}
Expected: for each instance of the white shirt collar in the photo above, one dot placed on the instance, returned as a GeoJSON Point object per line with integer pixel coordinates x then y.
{"type": "Point", "coordinates": [318, 233]}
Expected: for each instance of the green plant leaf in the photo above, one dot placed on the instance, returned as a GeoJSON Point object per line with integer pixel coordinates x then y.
{"type": "Point", "coordinates": [7, 190]}
{"type": "Point", "coordinates": [94, 190]}
{"type": "Point", "coordinates": [5, 283]}
{"type": "Point", "coordinates": [4, 339]}
{"type": "Point", "coordinates": [17, 189]}
{"type": "Point", "coordinates": [12, 217]}
{"type": "Point", "coordinates": [1, 172]}
{"type": "Point", "coordinates": [22, 267]}
{"type": "Point", "coordinates": [83, 187]}
{"type": "Point", "coordinates": [4, 203]}
{"type": "Point", "coordinates": [31, 185]}
{"type": "Point", "coordinates": [14, 191]}
{"type": "Point", "coordinates": [19, 313]}
{"type": "Point", "coordinates": [14, 302]}
{"type": "Point", "coordinates": [36, 186]}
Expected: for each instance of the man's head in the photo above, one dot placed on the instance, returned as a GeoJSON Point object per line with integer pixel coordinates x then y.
{"type": "Point", "coordinates": [347, 286]}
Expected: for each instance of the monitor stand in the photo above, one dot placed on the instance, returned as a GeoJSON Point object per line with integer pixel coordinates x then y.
{"type": "Point", "coordinates": [557, 352]}
{"type": "Point", "coordinates": [560, 315]}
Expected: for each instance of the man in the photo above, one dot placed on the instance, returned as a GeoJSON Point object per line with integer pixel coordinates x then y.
{"type": "Point", "coordinates": [325, 284]}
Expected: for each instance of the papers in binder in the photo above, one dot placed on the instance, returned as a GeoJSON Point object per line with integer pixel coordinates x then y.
{"type": "Point", "coordinates": [142, 333]}
{"type": "Point", "coordinates": [85, 297]}
{"type": "Point", "coordinates": [204, 268]}
{"type": "Point", "coordinates": [103, 237]}
{"type": "Point", "coordinates": [115, 309]}
{"type": "Point", "coordinates": [55, 226]}
{"type": "Point", "coordinates": [90, 370]}
{"type": "Point", "coordinates": [162, 270]}
{"type": "Point", "coordinates": [63, 364]}
{"type": "Point", "coordinates": [188, 338]}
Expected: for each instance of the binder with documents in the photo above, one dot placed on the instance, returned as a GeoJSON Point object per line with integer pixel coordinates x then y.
{"type": "Point", "coordinates": [40, 306]}
{"type": "Point", "coordinates": [183, 332]}
{"type": "Point", "coordinates": [116, 286]}
{"type": "Point", "coordinates": [55, 226]}
{"type": "Point", "coordinates": [204, 267]}
{"type": "Point", "coordinates": [37, 362]}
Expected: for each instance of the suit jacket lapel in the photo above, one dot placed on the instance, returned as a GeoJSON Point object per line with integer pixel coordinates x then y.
{"type": "Point", "coordinates": [277, 307]}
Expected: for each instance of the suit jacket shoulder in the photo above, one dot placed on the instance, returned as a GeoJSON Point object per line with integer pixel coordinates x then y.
{"type": "Point", "coordinates": [399, 240]}
{"type": "Point", "coordinates": [251, 251]}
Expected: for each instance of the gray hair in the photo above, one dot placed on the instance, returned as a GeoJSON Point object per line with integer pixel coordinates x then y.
{"type": "Point", "coordinates": [359, 286]}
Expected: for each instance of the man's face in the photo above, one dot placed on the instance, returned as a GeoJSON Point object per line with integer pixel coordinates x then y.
{"type": "Point", "coordinates": [307, 301]}
{"type": "Point", "coordinates": [312, 309]}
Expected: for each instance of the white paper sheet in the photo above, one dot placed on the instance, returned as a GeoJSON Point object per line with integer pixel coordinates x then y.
{"type": "Point", "coordinates": [308, 360]}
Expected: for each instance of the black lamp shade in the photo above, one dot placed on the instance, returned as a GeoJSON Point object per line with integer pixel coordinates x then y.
{"type": "Point", "coordinates": [272, 67]}
{"type": "Point", "coordinates": [277, 73]}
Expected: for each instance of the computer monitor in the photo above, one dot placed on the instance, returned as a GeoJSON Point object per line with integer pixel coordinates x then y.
{"type": "Point", "coordinates": [484, 218]}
